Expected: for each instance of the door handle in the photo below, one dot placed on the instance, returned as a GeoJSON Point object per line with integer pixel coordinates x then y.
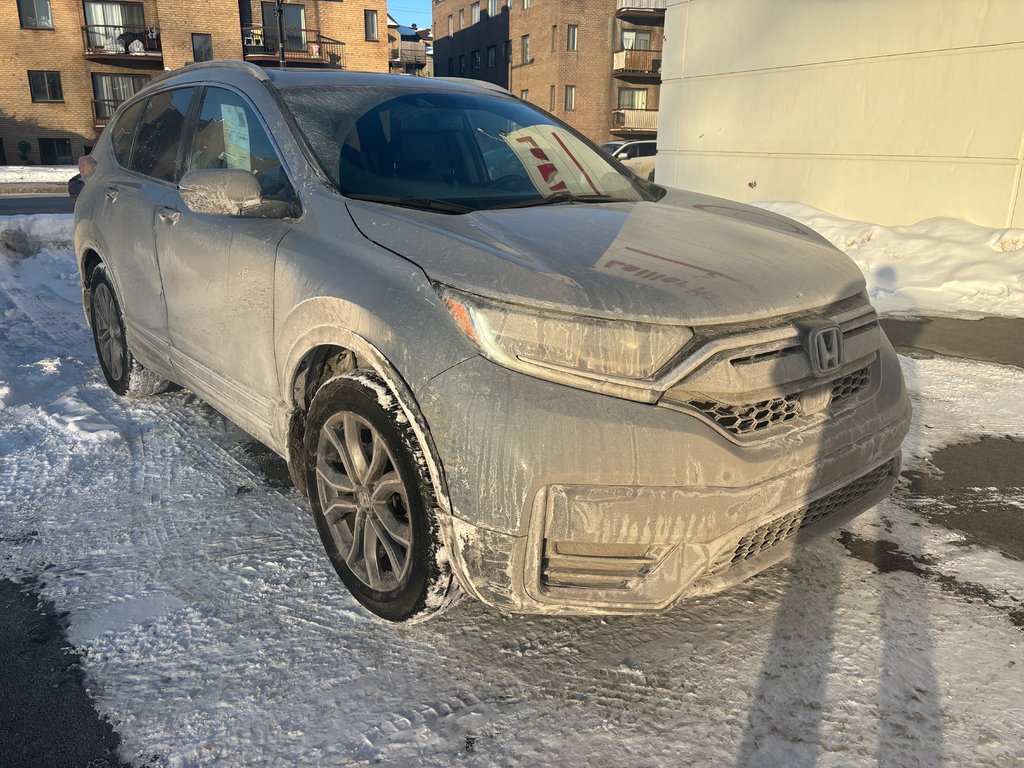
{"type": "Point", "coordinates": [111, 193]}
{"type": "Point", "coordinates": [169, 214]}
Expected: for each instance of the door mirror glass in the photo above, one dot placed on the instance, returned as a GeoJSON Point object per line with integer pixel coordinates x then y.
{"type": "Point", "coordinates": [227, 192]}
{"type": "Point", "coordinates": [622, 154]}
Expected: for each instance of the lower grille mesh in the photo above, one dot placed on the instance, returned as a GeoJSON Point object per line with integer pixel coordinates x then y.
{"type": "Point", "coordinates": [754, 417]}
{"type": "Point", "coordinates": [787, 526]}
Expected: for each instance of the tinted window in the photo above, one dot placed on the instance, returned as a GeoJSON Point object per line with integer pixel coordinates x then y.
{"type": "Point", "coordinates": [648, 149]}
{"type": "Point", "coordinates": [229, 135]}
{"type": "Point", "coordinates": [159, 135]}
{"type": "Point", "coordinates": [123, 130]}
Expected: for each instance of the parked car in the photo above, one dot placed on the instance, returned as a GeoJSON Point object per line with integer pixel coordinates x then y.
{"type": "Point", "coordinates": [557, 388]}
{"type": "Point", "coordinates": [638, 156]}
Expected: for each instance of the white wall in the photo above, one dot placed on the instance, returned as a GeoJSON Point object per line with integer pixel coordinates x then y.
{"type": "Point", "coordinates": [890, 111]}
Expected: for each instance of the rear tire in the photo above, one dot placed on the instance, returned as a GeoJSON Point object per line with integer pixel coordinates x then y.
{"type": "Point", "coordinates": [373, 501]}
{"type": "Point", "coordinates": [124, 374]}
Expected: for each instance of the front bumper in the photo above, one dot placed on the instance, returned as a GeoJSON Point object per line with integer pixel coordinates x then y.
{"type": "Point", "coordinates": [565, 501]}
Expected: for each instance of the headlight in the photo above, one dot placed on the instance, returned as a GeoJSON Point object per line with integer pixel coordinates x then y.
{"type": "Point", "coordinates": [613, 356]}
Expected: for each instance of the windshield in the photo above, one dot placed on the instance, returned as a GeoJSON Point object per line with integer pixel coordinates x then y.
{"type": "Point", "coordinates": [450, 152]}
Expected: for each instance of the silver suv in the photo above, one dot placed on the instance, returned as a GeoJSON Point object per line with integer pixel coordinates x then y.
{"type": "Point", "coordinates": [495, 361]}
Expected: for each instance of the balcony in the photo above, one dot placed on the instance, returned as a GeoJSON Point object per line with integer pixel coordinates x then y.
{"type": "Point", "coordinates": [637, 66]}
{"type": "Point", "coordinates": [120, 43]}
{"type": "Point", "coordinates": [635, 122]}
{"type": "Point", "coordinates": [301, 46]}
{"type": "Point", "coordinates": [409, 53]}
{"type": "Point", "coordinates": [644, 12]}
{"type": "Point", "coordinates": [103, 110]}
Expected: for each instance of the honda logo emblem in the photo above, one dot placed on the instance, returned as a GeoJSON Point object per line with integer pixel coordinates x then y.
{"type": "Point", "coordinates": [825, 348]}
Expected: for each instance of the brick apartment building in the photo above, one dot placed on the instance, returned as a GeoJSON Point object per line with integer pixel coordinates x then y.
{"type": "Point", "coordinates": [65, 65]}
{"type": "Point", "coordinates": [594, 63]}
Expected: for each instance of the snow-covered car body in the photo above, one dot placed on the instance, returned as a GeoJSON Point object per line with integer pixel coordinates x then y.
{"type": "Point", "coordinates": [616, 404]}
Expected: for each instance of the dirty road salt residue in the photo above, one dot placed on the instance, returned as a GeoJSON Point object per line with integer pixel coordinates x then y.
{"type": "Point", "coordinates": [216, 633]}
{"type": "Point", "coordinates": [938, 266]}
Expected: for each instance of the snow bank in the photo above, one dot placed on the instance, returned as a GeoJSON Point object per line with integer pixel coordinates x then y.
{"type": "Point", "coordinates": [935, 267]}
{"type": "Point", "coordinates": [36, 174]}
{"type": "Point", "coordinates": [24, 235]}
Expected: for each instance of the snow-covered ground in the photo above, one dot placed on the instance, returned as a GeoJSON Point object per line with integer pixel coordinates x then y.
{"type": "Point", "coordinates": [36, 174]}
{"type": "Point", "coordinates": [938, 266]}
{"type": "Point", "coordinates": [216, 633]}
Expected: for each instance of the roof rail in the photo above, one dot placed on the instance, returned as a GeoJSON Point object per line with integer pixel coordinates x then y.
{"type": "Point", "coordinates": [242, 66]}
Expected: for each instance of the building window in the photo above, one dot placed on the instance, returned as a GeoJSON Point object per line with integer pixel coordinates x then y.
{"type": "Point", "coordinates": [294, 19]}
{"type": "Point", "coordinates": [451, 25]}
{"type": "Point", "coordinates": [462, 18]}
{"type": "Point", "coordinates": [506, 53]}
{"type": "Point", "coordinates": [492, 8]}
{"type": "Point", "coordinates": [525, 94]}
{"type": "Point", "coordinates": [474, 61]}
{"type": "Point", "coordinates": [570, 98]}
{"type": "Point", "coordinates": [526, 49]}
{"type": "Point", "coordinates": [55, 152]}
{"type": "Point", "coordinates": [551, 99]}
{"type": "Point", "coordinates": [202, 47]}
{"type": "Point", "coordinates": [108, 91]}
{"type": "Point", "coordinates": [451, 66]}
{"type": "Point", "coordinates": [462, 64]}
{"type": "Point", "coordinates": [492, 55]}
{"type": "Point", "coordinates": [370, 23]}
{"type": "Point", "coordinates": [554, 38]}
{"type": "Point", "coordinates": [474, 13]}
{"type": "Point", "coordinates": [570, 37]}
{"type": "Point", "coordinates": [636, 40]}
{"type": "Point", "coordinates": [45, 86]}
{"type": "Point", "coordinates": [632, 98]}
{"type": "Point", "coordinates": [35, 14]}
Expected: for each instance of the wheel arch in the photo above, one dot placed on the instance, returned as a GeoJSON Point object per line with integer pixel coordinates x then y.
{"type": "Point", "coordinates": [326, 351]}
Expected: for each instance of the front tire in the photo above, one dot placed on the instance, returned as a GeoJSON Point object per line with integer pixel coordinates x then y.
{"type": "Point", "coordinates": [124, 374]}
{"type": "Point", "coordinates": [373, 502]}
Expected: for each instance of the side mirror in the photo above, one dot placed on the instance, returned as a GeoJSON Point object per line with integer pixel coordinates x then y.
{"type": "Point", "coordinates": [623, 155]}
{"type": "Point", "coordinates": [228, 192]}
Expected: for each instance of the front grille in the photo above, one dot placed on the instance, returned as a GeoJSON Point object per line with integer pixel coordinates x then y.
{"type": "Point", "coordinates": [850, 384]}
{"type": "Point", "coordinates": [749, 418]}
{"type": "Point", "coordinates": [744, 419]}
{"type": "Point", "coordinates": [768, 535]}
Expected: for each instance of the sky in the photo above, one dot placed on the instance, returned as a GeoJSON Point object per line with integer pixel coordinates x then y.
{"type": "Point", "coordinates": [411, 12]}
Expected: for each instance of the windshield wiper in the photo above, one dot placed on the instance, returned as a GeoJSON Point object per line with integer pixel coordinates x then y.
{"type": "Point", "coordinates": [562, 197]}
{"type": "Point", "coordinates": [423, 203]}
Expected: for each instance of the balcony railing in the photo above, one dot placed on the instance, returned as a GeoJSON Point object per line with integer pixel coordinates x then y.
{"type": "Point", "coordinates": [409, 53]}
{"type": "Point", "coordinates": [307, 46]}
{"type": "Point", "coordinates": [640, 5]}
{"type": "Point", "coordinates": [106, 41]}
{"type": "Point", "coordinates": [104, 109]}
{"type": "Point", "coordinates": [636, 61]}
{"type": "Point", "coordinates": [641, 11]}
{"type": "Point", "coordinates": [635, 121]}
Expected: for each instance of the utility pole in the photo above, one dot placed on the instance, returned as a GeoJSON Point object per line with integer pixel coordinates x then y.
{"type": "Point", "coordinates": [279, 11]}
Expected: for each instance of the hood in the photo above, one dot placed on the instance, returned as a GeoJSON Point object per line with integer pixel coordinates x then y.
{"type": "Point", "coordinates": [688, 259]}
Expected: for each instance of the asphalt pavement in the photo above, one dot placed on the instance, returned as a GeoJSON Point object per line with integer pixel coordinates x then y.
{"type": "Point", "coordinates": [35, 203]}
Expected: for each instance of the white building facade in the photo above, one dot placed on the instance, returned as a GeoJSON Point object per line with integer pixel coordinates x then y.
{"type": "Point", "coordinates": [889, 111]}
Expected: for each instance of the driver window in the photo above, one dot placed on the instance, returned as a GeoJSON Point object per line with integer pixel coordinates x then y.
{"type": "Point", "coordinates": [229, 135]}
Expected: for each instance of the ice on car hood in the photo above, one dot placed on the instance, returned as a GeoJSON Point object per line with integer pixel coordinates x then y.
{"type": "Point", "coordinates": [688, 259]}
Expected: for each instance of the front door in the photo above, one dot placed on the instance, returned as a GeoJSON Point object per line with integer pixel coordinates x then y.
{"type": "Point", "coordinates": [219, 270]}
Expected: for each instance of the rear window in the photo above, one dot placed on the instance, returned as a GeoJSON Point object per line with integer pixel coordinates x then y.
{"type": "Point", "coordinates": [122, 132]}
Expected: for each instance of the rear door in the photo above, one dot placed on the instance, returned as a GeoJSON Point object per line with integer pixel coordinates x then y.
{"type": "Point", "coordinates": [147, 143]}
{"type": "Point", "coordinates": [219, 270]}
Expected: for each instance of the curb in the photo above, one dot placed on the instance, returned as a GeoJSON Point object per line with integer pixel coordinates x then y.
{"type": "Point", "coordinates": [31, 188]}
